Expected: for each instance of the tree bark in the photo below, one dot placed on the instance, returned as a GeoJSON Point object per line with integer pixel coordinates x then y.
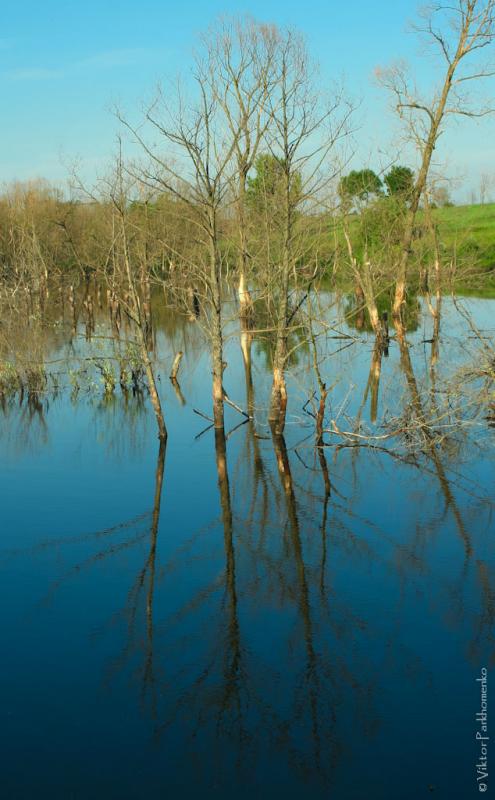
{"type": "Point", "coordinates": [436, 118]}
{"type": "Point", "coordinates": [216, 328]}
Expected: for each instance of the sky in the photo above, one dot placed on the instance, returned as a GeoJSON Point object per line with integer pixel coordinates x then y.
{"type": "Point", "coordinates": [64, 65]}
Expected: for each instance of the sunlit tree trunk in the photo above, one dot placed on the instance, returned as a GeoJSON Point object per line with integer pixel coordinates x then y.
{"type": "Point", "coordinates": [468, 27]}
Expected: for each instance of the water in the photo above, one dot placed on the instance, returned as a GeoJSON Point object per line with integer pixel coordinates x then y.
{"type": "Point", "coordinates": [245, 624]}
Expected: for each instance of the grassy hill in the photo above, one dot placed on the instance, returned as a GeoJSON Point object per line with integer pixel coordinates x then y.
{"type": "Point", "coordinates": [466, 232]}
{"type": "Point", "coordinates": [470, 231]}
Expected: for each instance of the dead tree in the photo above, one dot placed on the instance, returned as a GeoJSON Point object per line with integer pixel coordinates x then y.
{"type": "Point", "coordinates": [197, 178]}
{"type": "Point", "coordinates": [435, 309]}
{"type": "Point", "coordinates": [458, 32]}
{"type": "Point", "coordinates": [304, 130]}
{"type": "Point", "coordinates": [118, 190]}
{"type": "Point", "coordinates": [240, 59]}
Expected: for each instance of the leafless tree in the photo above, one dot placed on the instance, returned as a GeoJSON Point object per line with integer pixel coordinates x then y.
{"type": "Point", "coordinates": [305, 128]}
{"type": "Point", "coordinates": [138, 308]}
{"type": "Point", "coordinates": [486, 182]}
{"type": "Point", "coordinates": [240, 62]}
{"type": "Point", "coordinates": [460, 32]}
{"type": "Point", "coordinates": [191, 163]}
{"type": "Point", "coordinates": [434, 308]}
{"type": "Point", "coordinates": [124, 268]}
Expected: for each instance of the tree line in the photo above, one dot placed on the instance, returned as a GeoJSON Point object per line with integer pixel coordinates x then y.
{"type": "Point", "coordinates": [240, 175]}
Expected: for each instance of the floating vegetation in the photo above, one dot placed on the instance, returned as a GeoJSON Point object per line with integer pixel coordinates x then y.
{"type": "Point", "coordinates": [31, 380]}
{"type": "Point", "coordinates": [88, 374]}
{"type": "Point", "coordinates": [9, 379]}
{"type": "Point", "coordinates": [107, 376]}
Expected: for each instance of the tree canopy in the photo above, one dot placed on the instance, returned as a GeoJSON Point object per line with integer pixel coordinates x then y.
{"type": "Point", "coordinates": [266, 185]}
{"type": "Point", "coordinates": [399, 181]}
{"type": "Point", "coordinates": [359, 185]}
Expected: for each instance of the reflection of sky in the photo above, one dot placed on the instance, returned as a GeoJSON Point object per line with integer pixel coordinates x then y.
{"type": "Point", "coordinates": [388, 632]}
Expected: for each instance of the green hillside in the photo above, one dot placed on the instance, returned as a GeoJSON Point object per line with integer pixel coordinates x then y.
{"type": "Point", "coordinates": [470, 231]}
{"type": "Point", "coordinates": [466, 233]}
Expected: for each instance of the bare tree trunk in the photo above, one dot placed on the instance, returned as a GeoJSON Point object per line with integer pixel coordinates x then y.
{"type": "Point", "coordinates": [176, 365]}
{"type": "Point", "coordinates": [141, 330]}
{"type": "Point", "coordinates": [216, 331]}
{"type": "Point", "coordinates": [320, 415]}
{"type": "Point", "coordinates": [369, 294]}
{"type": "Point", "coordinates": [278, 401]}
{"type": "Point", "coordinates": [360, 304]}
{"type": "Point", "coordinates": [374, 379]}
{"type": "Point", "coordinates": [364, 287]}
{"type": "Point", "coordinates": [474, 25]}
{"type": "Point", "coordinates": [245, 301]}
{"type": "Point", "coordinates": [434, 309]}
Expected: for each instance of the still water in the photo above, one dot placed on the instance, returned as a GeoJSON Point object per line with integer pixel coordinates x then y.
{"type": "Point", "coordinates": [242, 618]}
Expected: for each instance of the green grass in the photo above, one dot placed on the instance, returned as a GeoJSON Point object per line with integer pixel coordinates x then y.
{"type": "Point", "coordinates": [469, 231]}
{"type": "Point", "coordinates": [466, 235]}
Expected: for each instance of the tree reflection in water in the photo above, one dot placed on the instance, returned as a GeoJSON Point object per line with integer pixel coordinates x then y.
{"type": "Point", "coordinates": [256, 642]}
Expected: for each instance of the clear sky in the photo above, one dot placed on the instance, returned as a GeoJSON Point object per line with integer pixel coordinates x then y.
{"type": "Point", "coordinates": [64, 64]}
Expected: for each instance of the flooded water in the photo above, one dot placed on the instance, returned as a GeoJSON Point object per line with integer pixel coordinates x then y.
{"type": "Point", "coordinates": [247, 617]}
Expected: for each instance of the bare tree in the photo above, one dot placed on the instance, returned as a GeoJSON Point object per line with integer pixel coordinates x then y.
{"type": "Point", "coordinates": [240, 58]}
{"type": "Point", "coordinates": [191, 163]}
{"type": "Point", "coordinates": [458, 31]}
{"type": "Point", "coordinates": [434, 309]}
{"type": "Point", "coordinates": [119, 191]}
{"type": "Point", "coordinates": [486, 182]}
{"type": "Point", "coordinates": [304, 131]}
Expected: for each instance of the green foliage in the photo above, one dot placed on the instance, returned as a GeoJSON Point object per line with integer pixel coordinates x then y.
{"type": "Point", "coordinates": [31, 379]}
{"type": "Point", "coordinates": [466, 236]}
{"type": "Point", "coordinates": [359, 185]}
{"type": "Point", "coordinates": [399, 181]}
{"type": "Point", "coordinates": [360, 320]}
{"type": "Point", "coordinates": [381, 224]}
{"type": "Point", "coordinates": [107, 376]}
{"type": "Point", "coordinates": [9, 379]}
{"type": "Point", "coordinates": [265, 190]}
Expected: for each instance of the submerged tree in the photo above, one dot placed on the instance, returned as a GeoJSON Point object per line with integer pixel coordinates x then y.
{"type": "Point", "coordinates": [194, 169]}
{"type": "Point", "coordinates": [240, 73]}
{"type": "Point", "coordinates": [459, 32]}
{"type": "Point", "coordinates": [304, 131]}
{"type": "Point", "coordinates": [118, 190]}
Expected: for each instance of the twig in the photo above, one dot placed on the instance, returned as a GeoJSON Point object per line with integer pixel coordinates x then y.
{"type": "Point", "coordinates": [350, 435]}
{"type": "Point", "coordinates": [199, 435]}
{"type": "Point", "coordinates": [235, 428]}
{"type": "Point", "coordinates": [233, 405]}
{"type": "Point", "coordinates": [205, 416]}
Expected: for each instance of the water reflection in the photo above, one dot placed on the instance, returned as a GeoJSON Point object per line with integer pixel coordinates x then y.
{"type": "Point", "coordinates": [433, 449]}
{"type": "Point", "coordinates": [249, 615]}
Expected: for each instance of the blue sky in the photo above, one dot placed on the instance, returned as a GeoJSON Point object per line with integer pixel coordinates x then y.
{"type": "Point", "coordinates": [64, 64]}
